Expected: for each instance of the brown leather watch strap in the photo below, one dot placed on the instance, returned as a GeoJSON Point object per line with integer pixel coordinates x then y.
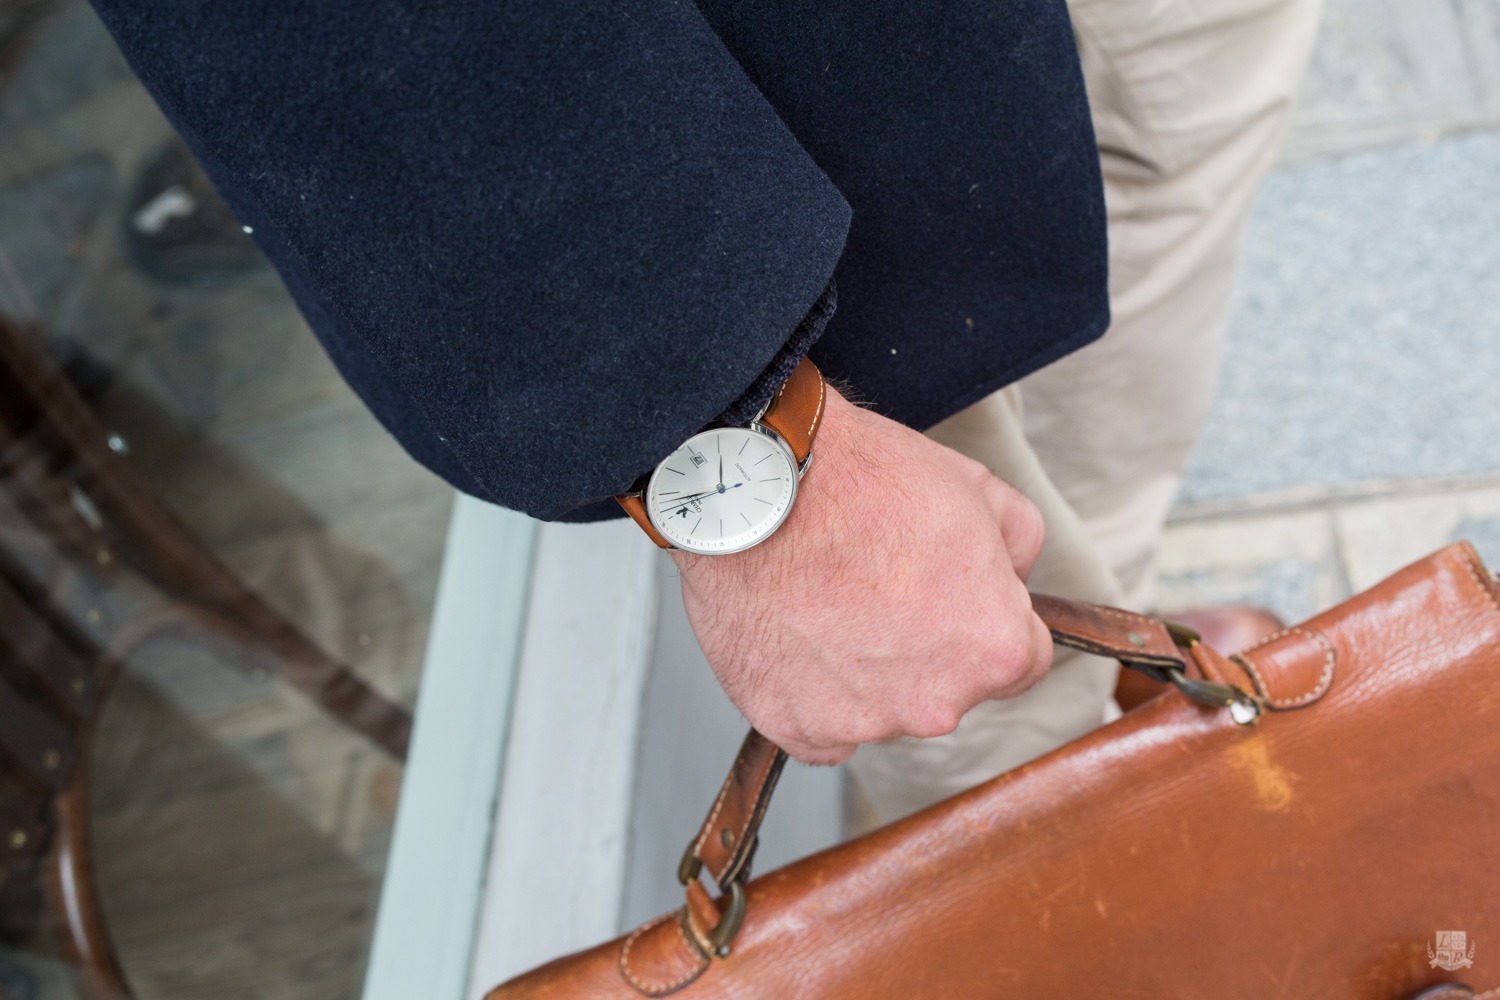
{"type": "Point", "coordinates": [795, 413]}
{"type": "Point", "coordinates": [635, 506]}
{"type": "Point", "coordinates": [797, 410]}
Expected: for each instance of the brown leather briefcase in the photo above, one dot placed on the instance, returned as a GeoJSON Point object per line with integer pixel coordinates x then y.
{"type": "Point", "coordinates": [1315, 817]}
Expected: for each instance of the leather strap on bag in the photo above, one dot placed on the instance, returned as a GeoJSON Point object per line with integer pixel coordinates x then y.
{"type": "Point", "coordinates": [795, 412]}
{"type": "Point", "coordinates": [1166, 651]}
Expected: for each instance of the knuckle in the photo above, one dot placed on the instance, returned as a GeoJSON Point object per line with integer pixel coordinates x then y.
{"type": "Point", "coordinates": [976, 472]}
{"type": "Point", "coordinates": [933, 720]}
{"type": "Point", "coordinates": [1012, 656]}
{"type": "Point", "coordinates": [1029, 530]}
{"type": "Point", "coordinates": [1042, 648]}
{"type": "Point", "coordinates": [831, 756]}
{"type": "Point", "coordinates": [1011, 671]}
{"type": "Point", "coordinates": [1027, 660]}
{"type": "Point", "coordinates": [1029, 516]}
{"type": "Point", "coordinates": [869, 731]}
{"type": "Point", "coordinates": [994, 489]}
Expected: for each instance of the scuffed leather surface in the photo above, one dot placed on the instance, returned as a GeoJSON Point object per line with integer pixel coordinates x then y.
{"type": "Point", "coordinates": [1173, 853]}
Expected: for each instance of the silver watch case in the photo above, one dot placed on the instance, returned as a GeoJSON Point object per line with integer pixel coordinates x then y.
{"type": "Point", "coordinates": [757, 427]}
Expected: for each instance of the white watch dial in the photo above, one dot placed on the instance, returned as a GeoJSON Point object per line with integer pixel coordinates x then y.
{"type": "Point", "coordinates": [722, 491]}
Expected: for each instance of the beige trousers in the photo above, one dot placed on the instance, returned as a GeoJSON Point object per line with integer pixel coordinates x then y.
{"type": "Point", "coordinates": [1190, 103]}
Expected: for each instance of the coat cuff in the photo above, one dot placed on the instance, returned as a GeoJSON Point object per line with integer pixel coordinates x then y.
{"type": "Point", "coordinates": [752, 400]}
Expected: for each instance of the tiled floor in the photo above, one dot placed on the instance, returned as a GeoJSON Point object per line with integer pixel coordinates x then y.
{"type": "Point", "coordinates": [1299, 554]}
{"type": "Point", "coordinates": [1359, 424]}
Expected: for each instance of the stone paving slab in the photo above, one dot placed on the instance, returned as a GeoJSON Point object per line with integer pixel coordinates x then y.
{"type": "Point", "coordinates": [1358, 427]}
{"type": "Point", "coordinates": [1379, 536]}
{"type": "Point", "coordinates": [1300, 561]}
{"type": "Point", "coordinates": [1366, 342]}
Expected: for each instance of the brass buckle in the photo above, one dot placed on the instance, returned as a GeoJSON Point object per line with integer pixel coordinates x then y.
{"type": "Point", "coordinates": [1243, 709]}
{"type": "Point", "coordinates": [721, 937]}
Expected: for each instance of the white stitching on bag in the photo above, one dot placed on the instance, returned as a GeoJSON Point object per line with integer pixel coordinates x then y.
{"type": "Point", "coordinates": [1325, 678]}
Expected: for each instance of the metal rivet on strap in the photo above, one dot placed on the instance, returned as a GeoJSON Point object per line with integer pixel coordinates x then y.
{"type": "Point", "coordinates": [726, 837]}
{"type": "Point", "coordinates": [18, 839]}
{"type": "Point", "coordinates": [1137, 640]}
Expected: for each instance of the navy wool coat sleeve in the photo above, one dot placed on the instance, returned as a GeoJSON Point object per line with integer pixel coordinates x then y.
{"type": "Point", "coordinates": [547, 240]}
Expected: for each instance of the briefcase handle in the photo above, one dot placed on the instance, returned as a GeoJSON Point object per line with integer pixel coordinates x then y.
{"type": "Point", "coordinates": [1161, 649]}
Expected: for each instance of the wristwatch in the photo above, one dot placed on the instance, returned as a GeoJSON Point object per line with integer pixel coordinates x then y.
{"type": "Point", "coordinates": [728, 488]}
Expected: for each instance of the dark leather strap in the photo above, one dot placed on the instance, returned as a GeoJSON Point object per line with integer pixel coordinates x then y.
{"type": "Point", "coordinates": [795, 413]}
{"type": "Point", "coordinates": [1133, 639]}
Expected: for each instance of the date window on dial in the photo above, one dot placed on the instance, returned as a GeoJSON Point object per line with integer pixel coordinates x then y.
{"type": "Point", "coordinates": [698, 460]}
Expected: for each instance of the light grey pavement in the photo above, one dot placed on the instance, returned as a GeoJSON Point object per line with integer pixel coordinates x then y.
{"type": "Point", "coordinates": [1359, 422]}
{"type": "Point", "coordinates": [1366, 343]}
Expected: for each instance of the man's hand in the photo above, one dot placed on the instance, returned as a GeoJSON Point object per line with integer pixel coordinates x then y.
{"type": "Point", "coordinates": [890, 603]}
